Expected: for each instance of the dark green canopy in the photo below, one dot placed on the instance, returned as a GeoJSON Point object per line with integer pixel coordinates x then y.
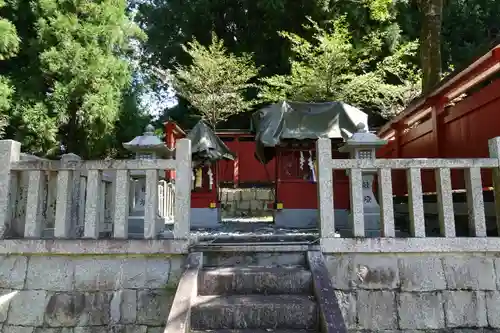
{"type": "Point", "coordinates": [206, 146]}
{"type": "Point", "coordinates": [300, 121]}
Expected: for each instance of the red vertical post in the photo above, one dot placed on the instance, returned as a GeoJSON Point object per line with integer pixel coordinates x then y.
{"type": "Point", "coordinates": [398, 129]}
{"type": "Point", "coordinates": [170, 143]}
{"type": "Point", "coordinates": [236, 171]}
{"type": "Point", "coordinates": [437, 125]}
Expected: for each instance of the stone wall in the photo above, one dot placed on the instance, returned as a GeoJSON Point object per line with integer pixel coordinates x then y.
{"type": "Point", "coordinates": [417, 292]}
{"type": "Point", "coordinates": [100, 294]}
{"type": "Point", "coordinates": [246, 202]}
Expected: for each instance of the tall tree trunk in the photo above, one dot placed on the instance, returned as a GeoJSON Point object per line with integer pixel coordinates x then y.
{"type": "Point", "coordinates": [430, 42]}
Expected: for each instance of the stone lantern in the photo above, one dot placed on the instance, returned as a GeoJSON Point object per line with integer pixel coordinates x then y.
{"type": "Point", "coordinates": [147, 146]}
{"type": "Point", "coordinates": [364, 145]}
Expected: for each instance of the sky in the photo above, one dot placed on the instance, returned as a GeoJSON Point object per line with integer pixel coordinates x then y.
{"type": "Point", "coordinates": [156, 102]}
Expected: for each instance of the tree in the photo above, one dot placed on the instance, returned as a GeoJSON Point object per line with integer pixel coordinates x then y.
{"type": "Point", "coordinates": [70, 75]}
{"type": "Point", "coordinates": [430, 42]}
{"type": "Point", "coordinates": [333, 68]}
{"type": "Point", "coordinates": [216, 82]}
{"type": "Point", "coordinates": [9, 46]}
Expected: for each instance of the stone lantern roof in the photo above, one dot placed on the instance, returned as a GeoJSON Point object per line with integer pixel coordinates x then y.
{"type": "Point", "coordinates": [363, 139]}
{"type": "Point", "coordinates": [147, 143]}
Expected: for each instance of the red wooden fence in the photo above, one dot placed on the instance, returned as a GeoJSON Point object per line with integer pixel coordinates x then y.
{"type": "Point", "coordinates": [433, 127]}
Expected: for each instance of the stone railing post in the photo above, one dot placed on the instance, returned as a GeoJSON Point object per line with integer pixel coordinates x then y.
{"type": "Point", "coordinates": [10, 151]}
{"type": "Point", "coordinates": [183, 173]}
{"type": "Point", "coordinates": [325, 188]}
{"type": "Point", "coordinates": [67, 199]}
{"type": "Point", "coordinates": [494, 149]}
{"type": "Point", "coordinates": [121, 201]}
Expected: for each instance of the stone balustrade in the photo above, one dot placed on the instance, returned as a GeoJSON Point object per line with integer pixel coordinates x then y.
{"type": "Point", "coordinates": [81, 199]}
{"type": "Point", "coordinates": [383, 169]}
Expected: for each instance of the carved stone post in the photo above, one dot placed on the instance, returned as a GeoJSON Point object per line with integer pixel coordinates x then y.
{"type": "Point", "coordinates": [363, 145]}
{"type": "Point", "coordinates": [10, 152]}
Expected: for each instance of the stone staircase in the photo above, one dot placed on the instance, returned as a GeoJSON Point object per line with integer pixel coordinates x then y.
{"type": "Point", "coordinates": [255, 292]}
{"type": "Point", "coordinates": [270, 295]}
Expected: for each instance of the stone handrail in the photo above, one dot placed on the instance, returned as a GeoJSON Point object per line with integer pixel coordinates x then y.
{"type": "Point", "coordinates": [383, 168]}
{"type": "Point", "coordinates": [106, 180]}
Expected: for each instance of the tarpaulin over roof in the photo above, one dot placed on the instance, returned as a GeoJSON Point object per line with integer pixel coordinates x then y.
{"type": "Point", "coordinates": [206, 146]}
{"type": "Point", "coordinates": [300, 121]}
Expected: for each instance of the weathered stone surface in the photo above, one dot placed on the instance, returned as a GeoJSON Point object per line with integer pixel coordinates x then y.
{"type": "Point", "coordinates": [13, 271]}
{"type": "Point", "coordinates": [54, 330]}
{"type": "Point", "coordinates": [176, 270]}
{"type": "Point", "coordinates": [95, 329]}
{"type": "Point", "coordinates": [375, 272]}
{"type": "Point", "coordinates": [376, 310]}
{"type": "Point", "coordinates": [493, 306]}
{"type": "Point", "coordinates": [421, 310]}
{"type": "Point", "coordinates": [17, 329]}
{"type": "Point", "coordinates": [254, 311]}
{"type": "Point", "coordinates": [112, 329]}
{"type": "Point", "coordinates": [254, 281]}
{"type": "Point", "coordinates": [243, 205]}
{"type": "Point", "coordinates": [54, 294]}
{"type": "Point", "coordinates": [64, 309]}
{"type": "Point", "coordinates": [123, 307]}
{"type": "Point", "coordinates": [497, 272]}
{"type": "Point", "coordinates": [138, 273]}
{"type": "Point", "coordinates": [27, 308]}
{"type": "Point", "coordinates": [347, 305]}
{"type": "Point", "coordinates": [78, 309]}
{"type": "Point", "coordinates": [97, 274]}
{"type": "Point", "coordinates": [156, 330]}
{"type": "Point", "coordinates": [422, 273]}
{"type": "Point", "coordinates": [465, 308]}
{"type": "Point", "coordinates": [246, 259]}
{"type": "Point", "coordinates": [50, 273]}
{"type": "Point", "coordinates": [153, 307]}
{"type": "Point", "coordinates": [339, 267]}
{"type": "Point", "coordinates": [94, 246]}
{"type": "Point", "coordinates": [467, 272]}
{"type": "Point", "coordinates": [247, 195]}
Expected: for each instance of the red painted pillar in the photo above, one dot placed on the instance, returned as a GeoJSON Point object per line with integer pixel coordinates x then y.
{"type": "Point", "coordinates": [236, 171]}
{"type": "Point", "coordinates": [398, 132]}
{"type": "Point", "coordinates": [437, 114]}
{"type": "Point", "coordinates": [170, 140]}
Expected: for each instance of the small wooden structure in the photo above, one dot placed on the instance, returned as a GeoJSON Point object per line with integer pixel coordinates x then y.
{"type": "Point", "coordinates": [290, 169]}
{"type": "Point", "coordinates": [287, 132]}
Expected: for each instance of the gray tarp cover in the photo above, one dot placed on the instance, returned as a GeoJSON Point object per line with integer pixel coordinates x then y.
{"type": "Point", "coordinates": [206, 147]}
{"type": "Point", "coordinates": [299, 121]}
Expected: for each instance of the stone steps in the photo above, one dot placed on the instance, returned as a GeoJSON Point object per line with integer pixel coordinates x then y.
{"type": "Point", "coordinates": [254, 259]}
{"type": "Point", "coordinates": [254, 312]}
{"type": "Point", "coordinates": [255, 280]}
{"type": "Point", "coordinates": [255, 292]}
{"type": "Point", "coordinates": [253, 331]}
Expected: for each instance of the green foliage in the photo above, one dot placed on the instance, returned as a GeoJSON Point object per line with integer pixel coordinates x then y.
{"type": "Point", "coordinates": [216, 82]}
{"type": "Point", "coordinates": [468, 28]}
{"type": "Point", "coordinates": [9, 46]}
{"type": "Point", "coordinates": [380, 10]}
{"type": "Point", "coordinates": [331, 67]}
{"type": "Point", "coordinates": [70, 75]}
